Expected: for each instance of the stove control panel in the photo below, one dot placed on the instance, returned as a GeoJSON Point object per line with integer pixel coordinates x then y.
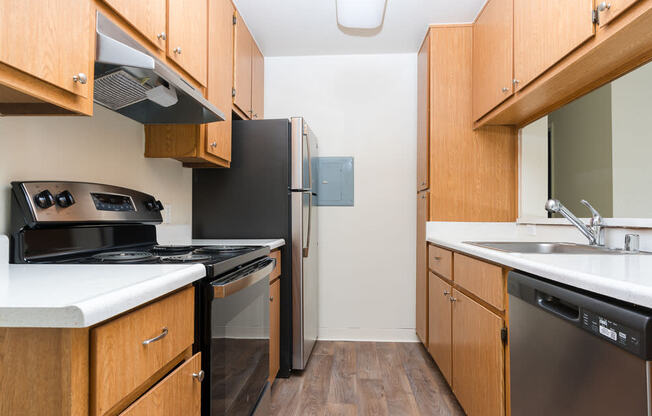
{"type": "Point", "coordinates": [80, 202]}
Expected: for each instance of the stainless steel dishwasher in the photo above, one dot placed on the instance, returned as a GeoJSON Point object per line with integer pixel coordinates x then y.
{"type": "Point", "coordinates": [576, 353]}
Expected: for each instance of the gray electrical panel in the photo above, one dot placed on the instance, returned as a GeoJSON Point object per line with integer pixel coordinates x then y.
{"type": "Point", "coordinates": [334, 181]}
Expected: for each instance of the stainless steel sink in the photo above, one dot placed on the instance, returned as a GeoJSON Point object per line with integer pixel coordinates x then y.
{"type": "Point", "coordinates": [546, 248]}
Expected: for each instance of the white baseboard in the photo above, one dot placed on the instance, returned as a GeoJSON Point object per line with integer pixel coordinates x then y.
{"type": "Point", "coordinates": [368, 334]}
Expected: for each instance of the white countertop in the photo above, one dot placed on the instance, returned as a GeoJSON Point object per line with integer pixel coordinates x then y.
{"type": "Point", "coordinates": [271, 243]}
{"type": "Point", "coordinates": [78, 295]}
{"type": "Point", "coordinates": [624, 277]}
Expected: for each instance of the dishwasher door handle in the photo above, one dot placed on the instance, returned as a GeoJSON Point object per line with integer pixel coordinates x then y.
{"type": "Point", "coordinates": [564, 310]}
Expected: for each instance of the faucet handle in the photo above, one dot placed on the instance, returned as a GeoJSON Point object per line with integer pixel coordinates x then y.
{"type": "Point", "coordinates": [596, 217]}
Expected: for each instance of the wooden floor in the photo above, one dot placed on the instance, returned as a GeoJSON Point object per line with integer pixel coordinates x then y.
{"type": "Point", "coordinates": [366, 378]}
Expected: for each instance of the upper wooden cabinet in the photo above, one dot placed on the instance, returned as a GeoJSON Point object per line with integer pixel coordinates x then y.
{"type": "Point", "coordinates": [242, 69]}
{"type": "Point", "coordinates": [492, 56]}
{"type": "Point", "coordinates": [188, 35]}
{"type": "Point", "coordinates": [257, 83]}
{"type": "Point", "coordinates": [546, 31]}
{"type": "Point", "coordinates": [220, 76]}
{"type": "Point", "coordinates": [46, 57]}
{"type": "Point", "coordinates": [423, 115]}
{"type": "Point", "coordinates": [248, 74]}
{"type": "Point", "coordinates": [147, 16]}
{"type": "Point", "coordinates": [612, 9]}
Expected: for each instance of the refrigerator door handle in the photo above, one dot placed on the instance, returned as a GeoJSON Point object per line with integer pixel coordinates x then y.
{"type": "Point", "coordinates": [305, 190]}
{"type": "Point", "coordinates": [306, 249]}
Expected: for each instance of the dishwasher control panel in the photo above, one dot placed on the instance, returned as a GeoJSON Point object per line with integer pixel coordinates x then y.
{"type": "Point", "coordinates": [612, 331]}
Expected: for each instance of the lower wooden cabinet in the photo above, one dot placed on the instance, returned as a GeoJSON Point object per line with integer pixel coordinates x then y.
{"type": "Point", "coordinates": [466, 332]}
{"type": "Point", "coordinates": [423, 200]}
{"type": "Point", "coordinates": [177, 394]}
{"type": "Point", "coordinates": [478, 357]}
{"type": "Point", "coordinates": [439, 324]}
{"type": "Point", "coordinates": [274, 328]}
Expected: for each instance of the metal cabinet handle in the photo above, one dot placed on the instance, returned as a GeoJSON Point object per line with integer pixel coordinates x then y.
{"type": "Point", "coordinates": [452, 299]}
{"type": "Point", "coordinates": [271, 298]}
{"type": "Point", "coordinates": [604, 6]}
{"type": "Point", "coordinates": [177, 50]}
{"type": "Point", "coordinates": [164, 332]}
{"type": "Point", "coordinates": [162, 36]}
{"type": "Point", "coordinates": [446, 293]}
{"type": "Point", "coordinates": [199, 376]}
{"type": "Point", "coordinates": [505, 89]}
{"type": "Point", "coordinates": [436, 258]}
{"type": "Point", "coordinates": [515, 82]}
{"type": "Point", "coordinates": [81, 78]}
{"type": "Point", "coordinates": [214, 145]}
{"type": "Point", "coordinates": [255, 115]}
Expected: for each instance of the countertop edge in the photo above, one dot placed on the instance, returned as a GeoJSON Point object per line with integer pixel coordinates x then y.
{"type": "Point", "coordinates": [100, 308]}
{"type": "Point", "coordinates": [621, 290]}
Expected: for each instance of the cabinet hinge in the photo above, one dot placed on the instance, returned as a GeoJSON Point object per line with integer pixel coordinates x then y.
{"type": "Point", "coordinates": [595, 16]}
{"type": "Point", "coordinates": [503, 335]}
{"type": "Point", "coordinates": [235, 19]}
{"type": "Point", "coordinates": [233, 92]}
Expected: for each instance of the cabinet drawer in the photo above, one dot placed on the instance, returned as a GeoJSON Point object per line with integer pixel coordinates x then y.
{"type": "Point", "coordinates": [482, 279]}
{"type": "Point", "coordinates": [129, 350]}
{"type": "Point", "coordinates": [440, 261]}
{"type": "Point", "coordinates": [276, 254]}
{"type": "Point", "coordinates": [177, 394]}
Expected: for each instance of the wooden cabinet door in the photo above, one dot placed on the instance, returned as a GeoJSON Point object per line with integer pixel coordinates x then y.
{"type": "Point", "coordinates": [545, 31]}
{"type": "Point", "coordinates": [257, 83]}
{"type": "Point", "coordinates": [615, 8]}
{"type": "Point", "coordinates": [242, 67]}
{"type": "Point", "coordinates": [493, 55]}
{"type": "Point", "coordinates": [423, 115]}
{"type": "Point", "coordinates": [423, 200]}
{"type": "Point", "coordinates": [220, 76]}
{"type": "Point", "coordinates": [50, 40]}
{"type": "Point", "coordinates": [274, 329]}
{"type": "Point", "coordinates": [478, 358]}
{"type": "Point", "coordinates": [188, 37]}
{"type": "Point", "coordinates": [147, 16]}
{"type": "Point", "coordinates": [439, 324]}
{"type": "Point", "coordinates": [177, 394]}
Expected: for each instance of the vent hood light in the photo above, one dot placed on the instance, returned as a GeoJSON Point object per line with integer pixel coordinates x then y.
{"type": "Point", "coordinates": [360, 14]}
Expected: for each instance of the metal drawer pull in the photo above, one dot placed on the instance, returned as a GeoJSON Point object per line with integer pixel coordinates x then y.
{"type": "Point", "coordinates": [452, 299]}
{"type": "Point", "coordinates": [604, 6]}
{"type": "Point", "coordinates": [81, 78]}
{"type": "Point", "coordinates": [437, 258]}
{"type": "Point", "coordinates": [271, 298]}
{"type": "Point", "coordinates": [446, 293]}
{"type": "Point", "coordinates": [164, 332]}
{"type": "Point", "coordinates": [198, 376]}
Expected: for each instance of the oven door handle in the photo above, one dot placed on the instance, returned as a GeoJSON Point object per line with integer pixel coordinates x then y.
{"type": "Point", "coordinates": [242, 279]}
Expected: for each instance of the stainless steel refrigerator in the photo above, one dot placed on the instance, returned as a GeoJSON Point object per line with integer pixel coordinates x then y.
{"type": "Point", "coordinates": [268, 192]}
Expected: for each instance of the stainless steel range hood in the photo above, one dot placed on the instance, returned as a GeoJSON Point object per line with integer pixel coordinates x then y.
{"type": "Point", "coordinates": [132, 82]}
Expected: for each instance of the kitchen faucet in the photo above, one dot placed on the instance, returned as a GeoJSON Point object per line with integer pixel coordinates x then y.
{"type": "Point", "coordinates": [595, 233]}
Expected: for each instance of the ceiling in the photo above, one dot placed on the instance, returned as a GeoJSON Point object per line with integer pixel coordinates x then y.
{"type": "Point", "coordinates": [309, 27]}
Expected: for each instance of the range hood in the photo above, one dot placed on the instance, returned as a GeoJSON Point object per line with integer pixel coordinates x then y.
{"type": "Point", "coordinates": [132, 82]}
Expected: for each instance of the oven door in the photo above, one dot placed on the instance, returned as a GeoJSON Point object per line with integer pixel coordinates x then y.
{"type": "Point", "coordinates": [239, 339]}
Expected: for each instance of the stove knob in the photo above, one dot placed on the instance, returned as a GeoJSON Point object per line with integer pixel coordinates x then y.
{"type": "Point", "coordinates": [65, 199]}
{"type": "Point", "coordinates": [44, 199]}
{"type": "Point", "coordinates": [154, 205]}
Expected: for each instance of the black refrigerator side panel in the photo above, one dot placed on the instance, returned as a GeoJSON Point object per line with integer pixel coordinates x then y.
{"type": "Point", "coordinates": [251, 199]}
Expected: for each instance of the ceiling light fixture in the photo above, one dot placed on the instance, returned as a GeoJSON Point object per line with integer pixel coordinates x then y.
{"type": "Point", "coordinates": [360, 14]}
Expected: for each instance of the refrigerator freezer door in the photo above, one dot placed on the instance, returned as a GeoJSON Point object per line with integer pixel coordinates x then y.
{"type": "Point", "coordinates": [304, 245]}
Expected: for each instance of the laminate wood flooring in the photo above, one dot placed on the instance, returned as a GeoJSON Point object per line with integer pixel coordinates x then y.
{"type": "Point", "coordinates": [366, 378]}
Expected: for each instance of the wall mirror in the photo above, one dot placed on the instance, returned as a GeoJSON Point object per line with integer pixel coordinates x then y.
{"type": "Point", "coordinates": [598, 148]}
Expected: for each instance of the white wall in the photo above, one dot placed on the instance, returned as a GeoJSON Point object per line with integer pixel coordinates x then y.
{"type": "Point", "coordinates": [631, 97]}
{"type": "Point", "coordinates": [362, 106]}
{"type": "Point", "coordinates": [533, 169]}
{"type": "Point", "coordinates": [105, 148]}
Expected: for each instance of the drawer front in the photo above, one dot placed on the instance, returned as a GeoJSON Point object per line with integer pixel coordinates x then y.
{"type": "Point", "coordinates": [440, 261]}
{"type": "Point", "coordinates": [177, 394]}
{"type": "Point", "coordinates": [482, 279]}
{"type": "Point", "coordinates": [129, 350]}
{"type": "Point", "coordinates": [276, 254]}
